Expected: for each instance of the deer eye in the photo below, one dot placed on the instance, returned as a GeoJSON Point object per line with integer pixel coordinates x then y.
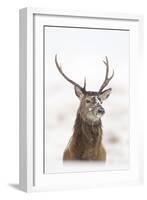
{"type": "Point", "coordinates": [87, 101]}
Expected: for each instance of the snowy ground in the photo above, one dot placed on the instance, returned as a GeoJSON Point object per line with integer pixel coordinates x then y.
{"type": "Point", "coordinates": [59, 128]}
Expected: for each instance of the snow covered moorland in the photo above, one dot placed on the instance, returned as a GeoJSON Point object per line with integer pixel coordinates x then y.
{"type": "Point", "coordinates": [81, 53]}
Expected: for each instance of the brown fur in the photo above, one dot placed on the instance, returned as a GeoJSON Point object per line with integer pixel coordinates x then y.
{"type": "Point", "coordinates": [86, 142]}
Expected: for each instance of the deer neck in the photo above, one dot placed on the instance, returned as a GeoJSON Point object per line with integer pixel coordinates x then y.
{"type": "Point", "coordinates": [87, 134]}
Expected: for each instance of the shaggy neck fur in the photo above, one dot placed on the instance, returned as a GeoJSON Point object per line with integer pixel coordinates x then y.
{"type": "Point", "coordinates": [86, 135]}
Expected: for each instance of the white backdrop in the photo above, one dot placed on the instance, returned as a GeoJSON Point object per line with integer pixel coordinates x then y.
{"type": "Point", "coordinates": [9, 98]}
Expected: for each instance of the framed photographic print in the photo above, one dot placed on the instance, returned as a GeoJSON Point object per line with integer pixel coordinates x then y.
{"type": "Point", "coordinates": [79, 108]}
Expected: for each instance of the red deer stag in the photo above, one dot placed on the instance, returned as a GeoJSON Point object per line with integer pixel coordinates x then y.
{"type": "Point", "coordinates": [86, 141]}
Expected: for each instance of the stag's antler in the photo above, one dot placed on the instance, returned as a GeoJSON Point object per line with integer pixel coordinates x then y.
{"type": "Point", "coordinates": [107, 80]}
{"type": "Point", "coordinates": [68, 79]}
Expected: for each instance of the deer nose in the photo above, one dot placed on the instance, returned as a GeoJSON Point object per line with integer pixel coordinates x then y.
{"type": "Point", "coordinates": [101, 110]}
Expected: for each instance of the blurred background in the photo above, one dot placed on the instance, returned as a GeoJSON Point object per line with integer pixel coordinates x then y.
{"type": "Point", "coordinates": [81, 52]}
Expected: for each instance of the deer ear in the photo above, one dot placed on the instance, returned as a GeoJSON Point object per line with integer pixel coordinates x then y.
{"type": "Point", "coordinates": [79, 93]}
{"type": "Point", "coordinates": [105, 94]}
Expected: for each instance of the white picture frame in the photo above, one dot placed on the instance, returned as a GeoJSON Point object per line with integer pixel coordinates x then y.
{"type": "Point", "coordinates": [31, 168]}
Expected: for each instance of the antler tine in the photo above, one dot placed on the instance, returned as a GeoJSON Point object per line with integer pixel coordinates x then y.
{"type": "Point", "coordinates": [107, 67]}
{"type": "Point", "coordinates": [68, 79]}
{"type": "Point", "coordinates": [107, 80]}
{"type": "Point", "coordinates": [84, 87]}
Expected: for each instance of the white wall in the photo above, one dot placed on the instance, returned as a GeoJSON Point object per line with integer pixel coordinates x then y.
{"type": "Point", "coordinates": [9, 97]}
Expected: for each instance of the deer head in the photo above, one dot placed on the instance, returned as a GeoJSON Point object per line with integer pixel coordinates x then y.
{"type": "Point", "coordinates": [90, 108]}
